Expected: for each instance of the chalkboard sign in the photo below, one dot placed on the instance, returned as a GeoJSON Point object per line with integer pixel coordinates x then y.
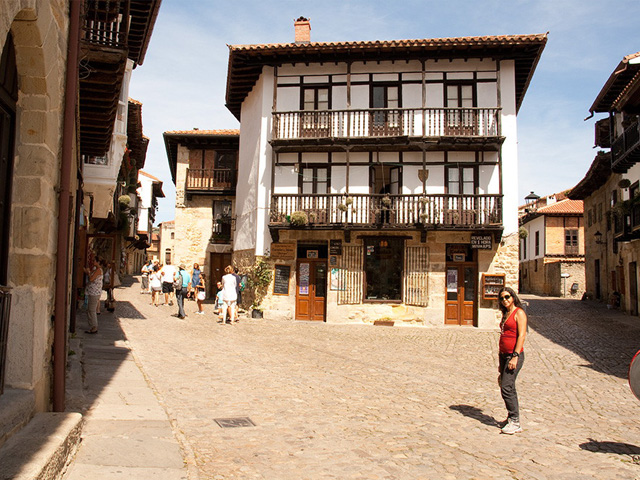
{"type": "Point", "coordinates": [335, 247]}
{"type": "Point", "coordinates": [281, 281]}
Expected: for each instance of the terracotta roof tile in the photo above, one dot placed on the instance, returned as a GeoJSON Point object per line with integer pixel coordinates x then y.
{"type": "Point", "coordinates": [431, 42]}
{"type": "Point", "coordinates": [563, 206]}
{"type": "Point", "coordinates": [204, 132]}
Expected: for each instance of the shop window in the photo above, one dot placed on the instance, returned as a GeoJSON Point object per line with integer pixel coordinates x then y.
{"type": "Point", "coordinates": [383, 268]}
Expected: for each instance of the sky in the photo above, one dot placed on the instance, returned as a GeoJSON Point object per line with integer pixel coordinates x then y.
{"type": "Point", "coordinates": [182, 81]}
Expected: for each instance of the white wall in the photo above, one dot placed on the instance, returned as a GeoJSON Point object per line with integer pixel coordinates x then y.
{"type": "Point", "coordinates": [509, 147]}
{"type": "Point", "coordinates": [254, 168]}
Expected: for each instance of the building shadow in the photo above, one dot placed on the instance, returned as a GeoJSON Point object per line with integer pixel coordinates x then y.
{"type": "Point", "coordinates": [605, 339]}
{"type": "Point", "coordinates": [475, 413]}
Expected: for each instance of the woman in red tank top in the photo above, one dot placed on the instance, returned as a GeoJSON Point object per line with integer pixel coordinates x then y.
{"type": "Point", "coordinates": [513, 330]}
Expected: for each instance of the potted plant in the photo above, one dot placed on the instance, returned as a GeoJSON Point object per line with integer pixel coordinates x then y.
{"type": "Point", "coordinates": [259, 279]}
{"type": "Point", "coordinates": [299, 219]}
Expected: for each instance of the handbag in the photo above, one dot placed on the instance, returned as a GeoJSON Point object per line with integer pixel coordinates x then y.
{"type": "Point", "coordinates": [201, 296]}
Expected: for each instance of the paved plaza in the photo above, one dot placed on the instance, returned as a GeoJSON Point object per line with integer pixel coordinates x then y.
{"type": "Point", "coordinates": [359, 402]}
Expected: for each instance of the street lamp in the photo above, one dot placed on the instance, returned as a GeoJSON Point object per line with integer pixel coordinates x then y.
{"type": "Point", "coordinates": [531, 199]}
{"type": "Point", "coordinates": [598, 237]}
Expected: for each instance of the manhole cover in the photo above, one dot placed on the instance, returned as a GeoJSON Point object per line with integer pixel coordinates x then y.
{"type": "Point", "coordinates": [234, 422]}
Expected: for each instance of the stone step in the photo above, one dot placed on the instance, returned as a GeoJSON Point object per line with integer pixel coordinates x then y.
{"type": "Point", "coordinates": [43, 449]}
{"type": "Point", "coordinates": [16, 409]}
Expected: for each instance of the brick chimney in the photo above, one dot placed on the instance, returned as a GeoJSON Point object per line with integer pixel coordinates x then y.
{"type": "Point", "coordinates": [303, 30]}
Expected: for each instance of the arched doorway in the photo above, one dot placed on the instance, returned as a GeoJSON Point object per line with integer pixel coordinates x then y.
{"type": "Point", "coordinates": [8, 100]}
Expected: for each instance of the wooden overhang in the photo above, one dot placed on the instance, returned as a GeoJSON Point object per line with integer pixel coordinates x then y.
{"type": "Point", "coordinates": [596, 177]}
{"type": "Point", "coordinates": [622, 89]}
{"type": "Point", "coordinates": [198, 139]}
{"type": "Point", "coordinates": [246, 61]}
{"type": "Point", "coordinates": [136, 141]}
{"type": "Point", "coordinates": [112, 32]}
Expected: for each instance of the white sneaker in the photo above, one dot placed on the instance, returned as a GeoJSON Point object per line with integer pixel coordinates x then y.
{"type": "Point", "coordinates": [511, 427]}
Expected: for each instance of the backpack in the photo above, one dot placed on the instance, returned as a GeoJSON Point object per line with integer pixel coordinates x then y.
{"type": "Point", "coordinates": [177, 282]}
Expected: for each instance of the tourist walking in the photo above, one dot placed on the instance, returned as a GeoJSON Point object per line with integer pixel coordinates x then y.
{"type": "Point", "coordinates": [168, 272]}
{"type": "Point", "coordinates": [200, 292]}
{"type": "Point", "coordinates": [182, 280]}
{"type": "Point", "coordinates": [145, 271]}
{"type": "Point", "coordinates": [513, 330]}
{"type": "Point", "coordinates": [93, 291]}
{"type": "Point", "coordinates": [155, 283]}
{"type": "Point", "coordinates": [229, 295]}
{"type": "Point", "coordinates": [239, 288]}
{"type": "Point", "coordinates": [195, 281]}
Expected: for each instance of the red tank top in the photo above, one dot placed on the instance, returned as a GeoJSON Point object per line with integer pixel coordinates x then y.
{"type": "Point", "coordinates": [509, 333]}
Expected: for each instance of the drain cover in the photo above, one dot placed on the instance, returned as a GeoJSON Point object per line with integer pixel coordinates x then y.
{"type": "Point", "coordinates": [234, 422]}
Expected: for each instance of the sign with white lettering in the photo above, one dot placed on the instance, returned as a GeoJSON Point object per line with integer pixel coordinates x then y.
{"type": "Point", "coordinates": [481, 242]}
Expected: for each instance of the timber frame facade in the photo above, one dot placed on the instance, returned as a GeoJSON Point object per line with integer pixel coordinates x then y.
{"type": "Point", "coordinates": [382, 174]}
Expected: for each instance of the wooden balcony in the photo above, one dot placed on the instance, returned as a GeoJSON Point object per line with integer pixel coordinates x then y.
{"type": "Point", "coordinates": [222, 181]}
{"type": "Point", "coordinates": [625, 150]}
{"type": "Point", "coordinates": [366, 211]}
{"type": "Point", "coordinates": [471, 123]}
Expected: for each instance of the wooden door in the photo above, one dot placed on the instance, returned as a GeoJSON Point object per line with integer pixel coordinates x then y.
{"type": "Point", "coordinates": [461, 294]}
{"type": "Point", "coordinates": [311, 289]}
{"type": "Point", "coordinates": [217, 263]}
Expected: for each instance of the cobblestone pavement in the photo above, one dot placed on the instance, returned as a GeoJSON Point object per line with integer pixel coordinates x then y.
{"type": "Point", "coordinates": [364, 402]}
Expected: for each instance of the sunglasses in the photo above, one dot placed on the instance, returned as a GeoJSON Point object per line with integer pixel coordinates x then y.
{"type": "Point", "coordinates": [505, 297]}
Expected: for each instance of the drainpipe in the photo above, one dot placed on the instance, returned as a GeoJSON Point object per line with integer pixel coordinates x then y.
{"type": "Point", "coordinates": [64, 211]}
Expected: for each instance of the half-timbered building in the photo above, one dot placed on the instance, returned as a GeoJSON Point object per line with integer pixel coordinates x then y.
{"type": "Point", "coordinates": [381, 177]}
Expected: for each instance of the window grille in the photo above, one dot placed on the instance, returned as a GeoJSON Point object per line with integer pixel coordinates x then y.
{"type": "Point", "coordinates": [416, 278]}
{"type": "Point", "coordinates": [351, 276]}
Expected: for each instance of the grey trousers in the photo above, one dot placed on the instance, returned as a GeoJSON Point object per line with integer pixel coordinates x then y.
{"type": "Point", "coordinates": [508, 385]}
{"type": "Point", "coordinates": [92, 316]}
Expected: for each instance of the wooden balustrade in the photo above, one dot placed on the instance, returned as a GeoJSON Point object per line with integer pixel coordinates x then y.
{"type": "Point", "coordinates": [210, 179]}
{"type": "Point", "coordinates": [388, 122]}
{"type": "Point", "coordinates": [398, 211]}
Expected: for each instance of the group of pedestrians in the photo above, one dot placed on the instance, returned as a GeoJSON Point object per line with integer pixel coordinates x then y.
{"type": "Point", "coordinates": [179, 284]}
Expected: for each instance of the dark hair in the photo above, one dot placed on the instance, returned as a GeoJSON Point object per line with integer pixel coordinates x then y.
{"type": "Point", "coordinates": [516, 301]}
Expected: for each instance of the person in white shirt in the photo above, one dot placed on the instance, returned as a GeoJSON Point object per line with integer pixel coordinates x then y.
{"type": "Point", "coordinates": [168, 272]}
{"type": "Point", "coordinates": [229, 295]}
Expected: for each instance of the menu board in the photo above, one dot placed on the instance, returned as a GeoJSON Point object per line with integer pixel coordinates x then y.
{"type": "Point", "coordinates": [281, 280]}
{"type": "Point", "coordinates": [335, 247]}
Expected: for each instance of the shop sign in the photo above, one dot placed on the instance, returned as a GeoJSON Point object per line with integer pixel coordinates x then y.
{"type": "Point", "coordinates": [481, 242]}
{"type": "Point", "coordinates": [283, 251]}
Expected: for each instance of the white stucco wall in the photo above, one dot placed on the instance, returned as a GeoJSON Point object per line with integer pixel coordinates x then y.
{"type": "Point", "coordinates": [509, 147]}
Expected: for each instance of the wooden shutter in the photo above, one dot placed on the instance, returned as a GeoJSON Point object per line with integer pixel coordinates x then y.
{"type": "Point", "coordinates": [416, 278]}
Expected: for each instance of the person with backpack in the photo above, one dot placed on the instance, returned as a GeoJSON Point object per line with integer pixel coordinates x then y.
{"type": "Point", "coordinates": [239, 289]}
{"type": "Point", "coordinates": [180, 285]}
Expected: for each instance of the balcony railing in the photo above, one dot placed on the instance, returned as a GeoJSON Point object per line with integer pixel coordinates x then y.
{"type": "Point", "coordinates": [625, 150]}
{"type": "Point", "coordinates": [400, 211]}
{"type": "Point", "coordinates": [209, 180]}
{"type": "Point", "coordinates": [5, 310]}
{"type": "Point", "coordinates": [389, 122]}
{"type": "Point", "coordinates": [107, 23]}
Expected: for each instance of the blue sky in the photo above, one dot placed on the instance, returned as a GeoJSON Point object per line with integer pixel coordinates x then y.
{"type": "Point", "coordinates": [183, 78]}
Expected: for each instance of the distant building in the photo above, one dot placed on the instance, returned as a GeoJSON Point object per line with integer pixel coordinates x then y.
{"type": "Point", "coordinates": [167, 238]}
{"type": "Point", "coordinates": [552, 247]}
{"type": "Point", "coordinates": [611, 191]}
{"type": "Point", "coordinates": [204, 168]}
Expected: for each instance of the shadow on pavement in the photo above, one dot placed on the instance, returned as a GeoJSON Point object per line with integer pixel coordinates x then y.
{"type": "Point", "coordinates": [98, 357]}
{"type": "Point", "coordinates": [606, 339]}
{"type": "Point", "coordinates": [475, 413]}
{"type": "Point", "coordinates": [611, 447]}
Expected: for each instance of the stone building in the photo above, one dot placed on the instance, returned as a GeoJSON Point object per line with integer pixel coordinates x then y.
{"type": "Point", "coordinates": [611, 191]}
{"type": "Point", "coordinates": [204, 166]}
{"type": "Point", "coordinates": [53, 119]}
{"type": "Point", "coordinates": [552, 247]}
{"type": "Point", "coordinates": [166, 242]}
{"type": "Point", "coordinates": [379, 178]}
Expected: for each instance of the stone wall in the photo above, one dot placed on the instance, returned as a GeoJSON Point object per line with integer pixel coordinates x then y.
{"type": "Point", "coordinates": [40, 33]}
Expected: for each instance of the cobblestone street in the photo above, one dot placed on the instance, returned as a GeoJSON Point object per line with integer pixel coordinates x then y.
{"type": "Point", "coordinates": [364, 402]}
